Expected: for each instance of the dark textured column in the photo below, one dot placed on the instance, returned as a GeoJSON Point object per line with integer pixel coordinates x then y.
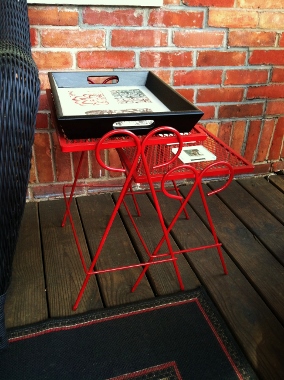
{"type": "Point", "coordinates": [19, 97]}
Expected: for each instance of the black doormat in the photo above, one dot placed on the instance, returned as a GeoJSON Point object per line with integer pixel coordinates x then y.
{"type": "Point", "coordinates": [169, 338]}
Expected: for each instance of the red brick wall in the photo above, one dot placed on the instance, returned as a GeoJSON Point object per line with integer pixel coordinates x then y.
{"type": "Point", "coordinates": [226, 56]}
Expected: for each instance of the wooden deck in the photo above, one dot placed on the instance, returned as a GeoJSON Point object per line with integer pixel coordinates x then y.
{"type": "Point", "coordinates": [249, 218]}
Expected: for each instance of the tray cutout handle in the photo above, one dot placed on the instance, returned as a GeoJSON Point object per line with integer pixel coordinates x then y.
{"type": "Point", "coordinates": [134, 124]}
{"type": "Point", "coordinates": [102, 79]}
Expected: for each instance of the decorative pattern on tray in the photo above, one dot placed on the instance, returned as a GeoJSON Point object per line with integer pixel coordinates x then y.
{"type": "Point", "coordinates": [104, 100]}
{"type": "Point", "coordinates": [194, 153]}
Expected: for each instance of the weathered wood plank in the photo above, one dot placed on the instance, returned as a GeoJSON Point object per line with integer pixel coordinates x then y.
{"type": "Point", "coordinates": [260, 267]}
{"type": "Point", "coordinates": [277, 181]}
{"type": "Point", "coordinates": [118, 251]}
{"type": "Point", "coordinates": [255, 217]}
{"type": "Point", "coordinates": [26, 297]}
{"type": "Point", "coordinates": [255, 327]}
{"type": "Point", "coordinates": [64, 271]}
{"type": "Point", "coordinates": [161, 276]}
{"type": "Point", "coordinates": [269, 196]}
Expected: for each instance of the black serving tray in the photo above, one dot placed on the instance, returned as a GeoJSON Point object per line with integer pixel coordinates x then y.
{"type": "Point", "coordinates": [181, 114]}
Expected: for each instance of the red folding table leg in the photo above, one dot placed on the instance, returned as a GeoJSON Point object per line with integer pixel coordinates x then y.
{"type": "Point", "coordinates": [144, 149]}
{"type": "Point", "coordinates": [102, 242]}
{"type": "Point", "coordinates": [212, 228]}
{"type": "Point", "coordinates": [123, 192]}
{"type": "Point", "coordinates": [69, 200]}
{"type": "Point", "coordinates": [169, 228]}
{"type": "Point", "coordinates": [184, 201]}
{"type": "Point", "coordinates": [164, 238]}
{"type": "Point", "coordinates": [178, 193]}
{"type": "Point", "coordinates": [206, 208]}
{"type": "Point", "coordinates": [131, 192]}
{"type": "Point", "coordinates": [198, 183]}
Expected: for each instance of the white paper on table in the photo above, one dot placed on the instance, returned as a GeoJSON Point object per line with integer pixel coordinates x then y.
{"type": "Point", "coordinates": [194, 153]}
{"type": "Point", "coordinates": [108, 100]}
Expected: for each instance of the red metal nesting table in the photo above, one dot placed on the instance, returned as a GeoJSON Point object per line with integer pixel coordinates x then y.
{"type": "Point", "coordinates": [150, 159]}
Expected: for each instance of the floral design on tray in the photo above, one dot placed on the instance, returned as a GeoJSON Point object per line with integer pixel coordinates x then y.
{"type": "Point", "coordinates": [90, 98]}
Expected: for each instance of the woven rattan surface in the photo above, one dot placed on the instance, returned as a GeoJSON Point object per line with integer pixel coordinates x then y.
{"type": "Point", "coordinates": [19, 84]}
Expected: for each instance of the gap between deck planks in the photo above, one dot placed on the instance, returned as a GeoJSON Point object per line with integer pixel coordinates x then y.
{"type": "Point", "coordinates": [47, 273]}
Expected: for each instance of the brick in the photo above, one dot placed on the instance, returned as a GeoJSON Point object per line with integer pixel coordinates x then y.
{"type": "Point", "coordinates": [221, 58]}
{"type": "Point", "coordinates": [261, 4]}
{"type": "Point", "coordinates": [185, 78]}
{"type": "Point", "coordinates": [181, 19]}
{"type": "Point", "coordinates": [43, 102]}
{"type": "Point", "coordinates": [252, 139]}
{"type": "Point", "coordinates": [44, 81]}
{"type": "Point", "coordinates": [114, 162]}
{"type": "Point", "coordinates": [240, 110]}
{"type": "Point", "coordinates": [171, 2]}
{"type": "Point", "coordinates": [165, 75]}
{"type": "Point", "coordinates": [271, 20]}
{"type": "Point", "coordinates": [278, 75]}
{"type": "Point", "coordinates": [43, 191]}
{"type": "Point", "coordinates": [84, 172]}
{"type": "Point", "coordinates": [246, 77]}
{"type": "Point", "coordinates": [50, 60]}
{"type": "Point", "coordinates": [273, 92]}
{"type": "Point", "coordinates": [225, 132]}
{"type": "Point", "coordinates": [42, 121]}
{"type": "Point", "coordinates": [251, 38]}
{"type": "Point", "coordinates": [72, 38]}
{"type": "Point", "coordinates": [113, 17]}
{"type": "Point", "coordinates": [165, 59]}
{"type": "Point", "coordinates": [262, 168]}
{"type": "Point", "coordinates": [209, 3]}
{"type": "Point", "coordinates": [187, 93]}
{"type": "Point", "coordinates": [105, 184]}
{"type": "Point", "coordinates": [238, 136]}
{"type": "Point", "coordinates": [43, 158]}
{"type": "Point", "coordinates": [62, 162]}
{"type": "Point", "coordinates": [198, 39]}
{"type": "Point", "coordinates": [209, 111]}
{"type": "Point", "coordinates": [277, 166]}
{"type": "Point", "coordinates": [52, 16]}
{"type": "Point", "coordinates": [275, 107]}
{"type": "Point", "coordinates": [139, 38]}
{"type": "Point", "coordinates": [213, 128]}
{"type": "Point", "coordinates": [267, 57]}
{"type": "Point", "coordinates": [277, 140]}
{"type": "Point", "coordinates": [208, 95]}
{"type": "Point", "coordinates": [265, 139]}
{"type": "Point", "coordinates": [105, 59]}
{"type": "Point", "coordinates": [34, 37]}
{"type": "Point", "coordinates": [232, 18]}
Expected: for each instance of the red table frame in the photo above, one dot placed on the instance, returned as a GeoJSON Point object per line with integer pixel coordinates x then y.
{"type": "Point", "coordinates": [162, 166]}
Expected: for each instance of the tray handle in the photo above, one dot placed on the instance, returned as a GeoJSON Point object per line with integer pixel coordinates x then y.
{"type": "Point", "coordinates": [134, 124]}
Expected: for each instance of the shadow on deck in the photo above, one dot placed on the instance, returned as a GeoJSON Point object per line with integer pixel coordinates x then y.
{"type": "Point", "coordinates": [248, 217]}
